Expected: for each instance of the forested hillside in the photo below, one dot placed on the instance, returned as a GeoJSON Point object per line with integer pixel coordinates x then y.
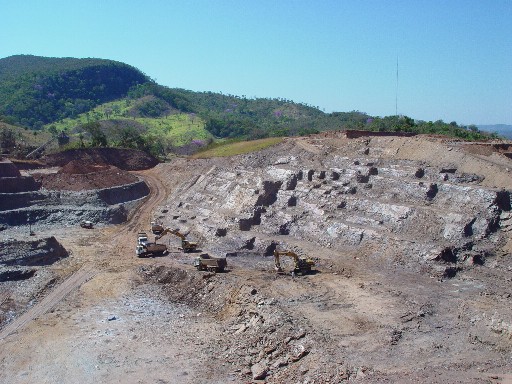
{"type": "Point", "coordinates": [106, 103]}
{"type": "Point", "coordinates": [37, 90]}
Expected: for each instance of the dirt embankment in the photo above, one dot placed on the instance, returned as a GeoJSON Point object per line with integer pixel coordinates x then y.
{"type": "Point", "coordinates": [125, 159]}
{"type": "Point", "coordinates": [78, 175]}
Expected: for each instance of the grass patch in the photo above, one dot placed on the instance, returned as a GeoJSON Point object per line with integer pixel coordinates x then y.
{"type": "Point", "coordinates": [175, 129]}
{"type": "Point", "coordinates": [237, 148]}
{"type": "Point", "coordinates": [25, 136]}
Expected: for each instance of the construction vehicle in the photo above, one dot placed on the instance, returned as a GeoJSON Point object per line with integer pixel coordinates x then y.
{"type": "Point", "coordinates": [211, 264]}
{"type": "Point", "coordinates": [145, 248]}
{"type": "Point", "coordinates": [157, 228]}
{"type": "Point", "coordinates": [86, 224]}
{"type": "Point", "coordinates": [301, 264]}
{"type": "Point", "coordinates": [187, 246]}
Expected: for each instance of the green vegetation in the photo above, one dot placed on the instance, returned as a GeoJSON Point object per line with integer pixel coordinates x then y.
{"type": "Point", "coordinates": [406, 124]}
{"type": "Point", "coordinates": [35, 90]}
{"type": "Point", "coordinates": [18, 141]}
{"type": "Point", "coordinates": [122, 124]}
{"type": "Point", "coordinates": [232, 148]}
{"type": "Point", "coordinates": [96, 102]}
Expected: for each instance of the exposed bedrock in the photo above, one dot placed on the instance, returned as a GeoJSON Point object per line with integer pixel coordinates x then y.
{"type": "Point", "coordinates": [37, 252]}
{"type": "Point", "coordinates": [400, 209]}
{"type": "Point", "coordinates": [21, 260]}
{"type": "Point", "coordinates": [109, 205]}
{"type": "Point", "coordinates": [64, 215]}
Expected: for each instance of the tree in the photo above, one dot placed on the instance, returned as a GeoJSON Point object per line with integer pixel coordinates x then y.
{"type": "Point", "coordinates": [98, 138]}
{"type": "Point", "coordinates": [7, 138]}
{"type": "Point", "coordinates": [131, 138]}
{"type": "Point", "coordinates": [108, 112]}
{"type": "Point", "coordinates": [53, 130]}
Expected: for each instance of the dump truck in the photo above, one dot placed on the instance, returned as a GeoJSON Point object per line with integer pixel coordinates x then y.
{"type": "Point", "coordinates": [301, 264]}
{"type": "Point", "coordinates": [146, 249]}
{"type": "Point", "coordinates": [157, 228]}
{"type": "Point", "coordinates": [205, 262]}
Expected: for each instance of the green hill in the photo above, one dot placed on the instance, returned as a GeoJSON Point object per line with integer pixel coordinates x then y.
{"type": "Point", "coordinates": [38, 90]}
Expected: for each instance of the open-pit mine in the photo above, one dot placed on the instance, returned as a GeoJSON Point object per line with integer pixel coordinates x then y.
{"type": "Point", "coordinates": [401, 272]}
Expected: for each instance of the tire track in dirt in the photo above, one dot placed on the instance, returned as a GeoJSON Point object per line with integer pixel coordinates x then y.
{"type": "Point", "coordinates": [51, 300]}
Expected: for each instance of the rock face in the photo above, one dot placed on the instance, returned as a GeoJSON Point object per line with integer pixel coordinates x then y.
{"type": "Point", "coordinates": [79, 191]}
{"type": "Point", "coordinates": [11, 181]}
{"type": "Point", "coordinates": [38, 252]}
{"type": "Point", "coordinates": [387, 208]}
{"type": "Point", "coordinates": [106, 205]}
{"type": "Point", "coordinates": [20, 260]}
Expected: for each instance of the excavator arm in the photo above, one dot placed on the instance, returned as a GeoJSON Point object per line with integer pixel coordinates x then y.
{"type": "Point", "coordinates": [188, 246]}
{"type": "Point", "coordinates": [302, 265]}
{"type": "Point", "coordinates": [172, 232]}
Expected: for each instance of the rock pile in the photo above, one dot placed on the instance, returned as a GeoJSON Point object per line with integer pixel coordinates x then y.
{"type": "Point", "coordinates": [260, 339]}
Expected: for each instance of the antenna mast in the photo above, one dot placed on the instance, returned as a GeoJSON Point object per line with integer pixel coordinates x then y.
{"type": "Point", "coordinates": [396, 93]}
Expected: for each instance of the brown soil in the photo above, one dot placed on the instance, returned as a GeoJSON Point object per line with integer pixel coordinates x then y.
{"type": "Point", "coordinates": [75, 167]}
{"type": "Point", "coordinates": [125, 159]}
{"type": "Point", "coordinates": [80, 176]}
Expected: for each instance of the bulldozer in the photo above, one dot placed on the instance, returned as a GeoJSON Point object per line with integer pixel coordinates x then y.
{"type": "Point", "coordinates": [187, 246]}
{"type": "Point", "coordinates": [301, 264]}
{"type": "Point", "coordinates": [145, 248]}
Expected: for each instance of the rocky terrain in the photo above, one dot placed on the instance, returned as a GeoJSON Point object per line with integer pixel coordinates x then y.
{"type": "Point", "coordinates": [411, 241]}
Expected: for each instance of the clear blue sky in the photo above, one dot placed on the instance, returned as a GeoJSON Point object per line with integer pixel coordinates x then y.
{"type": "Point", "coordinates": [454, 56]}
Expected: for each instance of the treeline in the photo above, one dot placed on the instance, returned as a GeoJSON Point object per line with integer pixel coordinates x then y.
{"type": "Point", "coordinates": [230, 116]}
{"type": "Point", "coordinates": [439, 127]}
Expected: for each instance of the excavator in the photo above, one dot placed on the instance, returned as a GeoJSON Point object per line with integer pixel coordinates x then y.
{"type": "Point", "coordinates": [301, 264]}
{"type": "Point", "coordinates": [187, 246]}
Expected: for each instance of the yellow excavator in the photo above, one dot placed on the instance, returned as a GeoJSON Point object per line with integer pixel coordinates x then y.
{"type": "Point", "coordinates": [301, 264]}
{"type": "Point", "coordinates": [187, 246]}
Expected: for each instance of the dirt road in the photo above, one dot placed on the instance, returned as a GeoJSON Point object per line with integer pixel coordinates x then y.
{"type": "Point", "coordinates": [50, 301]}
{"type": "Point", "coordinates": [98, 324]}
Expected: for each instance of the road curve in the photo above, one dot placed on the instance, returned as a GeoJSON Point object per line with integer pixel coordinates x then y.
{"type": "Point", "coordinates": [138, 219]}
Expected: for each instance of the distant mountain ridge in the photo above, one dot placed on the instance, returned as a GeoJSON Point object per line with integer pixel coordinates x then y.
{"type": "Point", "coordinates": [504, 130]}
